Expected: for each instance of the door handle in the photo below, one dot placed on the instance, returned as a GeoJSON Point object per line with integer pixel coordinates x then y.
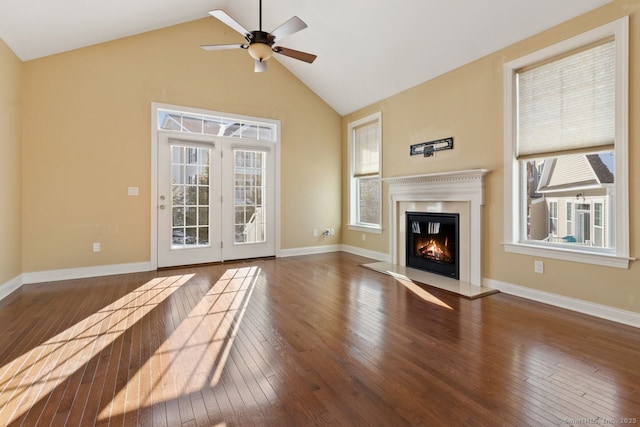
{"type": "Point", "coordinates": [161, 207]}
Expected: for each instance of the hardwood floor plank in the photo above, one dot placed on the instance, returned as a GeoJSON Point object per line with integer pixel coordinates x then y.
{"type": "Point", "coordinates": [312, 340]}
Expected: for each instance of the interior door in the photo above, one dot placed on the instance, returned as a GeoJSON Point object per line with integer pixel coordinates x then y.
{"type": "Point", "coordinates": [189, 187]}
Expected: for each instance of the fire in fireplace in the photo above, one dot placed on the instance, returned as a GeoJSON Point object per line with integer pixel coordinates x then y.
{"type": "Point", "coordinates": [432, 242]}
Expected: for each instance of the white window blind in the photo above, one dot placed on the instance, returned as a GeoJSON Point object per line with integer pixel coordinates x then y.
{"type": "Point", "coordinates": [568, 104]}
{"type": "Point", "coordinates": [366, 150]}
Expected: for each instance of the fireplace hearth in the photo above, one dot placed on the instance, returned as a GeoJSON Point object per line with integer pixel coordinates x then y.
{"type": "Point", "coordinates": [432, 242]}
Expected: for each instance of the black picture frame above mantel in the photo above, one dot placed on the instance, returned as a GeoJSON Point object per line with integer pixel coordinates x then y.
{"type": "Point", "coordinates": [427, 149]}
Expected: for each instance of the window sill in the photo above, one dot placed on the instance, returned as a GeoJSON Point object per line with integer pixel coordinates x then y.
{"type": "Point", "coordinates": [365, 229]}
{"type": "Point", "coordinates": [603, 259]}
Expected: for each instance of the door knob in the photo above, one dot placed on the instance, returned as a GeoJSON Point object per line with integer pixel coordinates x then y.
{"type": "Point", "coordinates": [161, 206]}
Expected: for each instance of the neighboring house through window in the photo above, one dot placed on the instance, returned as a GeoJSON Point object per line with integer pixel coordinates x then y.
{"type": "Point", "coordinates": [566, 146]}
{"type": "Point", "coordinates": [365, 188]}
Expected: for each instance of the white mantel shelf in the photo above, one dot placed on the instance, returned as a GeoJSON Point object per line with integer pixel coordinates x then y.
{"type": "Point", "coordinates": [444, 177]}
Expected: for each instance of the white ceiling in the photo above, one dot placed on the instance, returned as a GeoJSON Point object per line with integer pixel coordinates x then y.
{"type": "Point", "coordinates": [367, 49]}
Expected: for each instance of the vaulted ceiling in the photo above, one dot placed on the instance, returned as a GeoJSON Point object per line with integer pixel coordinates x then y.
{"type": "Point", "coordinates": [367, 49]}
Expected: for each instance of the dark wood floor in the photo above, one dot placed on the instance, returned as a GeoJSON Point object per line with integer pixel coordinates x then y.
{"type": "Point", "coordinates": [304, 341]}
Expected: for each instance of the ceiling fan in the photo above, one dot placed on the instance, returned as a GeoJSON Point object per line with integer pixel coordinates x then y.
{"type": "Point", "coordinates": [260, 44]}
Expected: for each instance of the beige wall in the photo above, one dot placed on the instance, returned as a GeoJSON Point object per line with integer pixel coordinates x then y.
{"type": "Point", "coordinates": [11, 69]}
{"type": "Point", "coordinates": [467, 104]}
{"type": "Point", "coordinates": [87, 138]}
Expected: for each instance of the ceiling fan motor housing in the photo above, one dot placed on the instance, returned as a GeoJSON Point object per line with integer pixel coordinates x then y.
{"type": "Point", "coordinates": [260, 37]}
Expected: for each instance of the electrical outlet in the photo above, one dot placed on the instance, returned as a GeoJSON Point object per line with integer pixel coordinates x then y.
{"type": "Point", "coordinates": [333, 231]}
{"type": "Point", "coordinates": [538, 267]}
{"type": "Point", "coordinates": [96, 247]}
{"type": "Point", "coordinates": [315, 232]}
{"type": "Point", "coordinates": [364, 237]}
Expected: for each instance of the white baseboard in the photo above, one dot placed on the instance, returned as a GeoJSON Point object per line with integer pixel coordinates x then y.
{"type": "Point", "coordinates": [84, 272]}
{"type": "Point", "coordinates": [380, 256]}
{"type": "Point", "coordinates": [11, 286]}
{"type": "Point", "coordinates": [311, 250]}
{"type": "Point", "coordinates": [597, 310]}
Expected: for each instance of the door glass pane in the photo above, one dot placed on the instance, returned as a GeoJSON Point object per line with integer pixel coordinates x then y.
{"type": "Point", "coordinates": [249, 217]}
{"type": "Point", "coordinates": [190, 189]}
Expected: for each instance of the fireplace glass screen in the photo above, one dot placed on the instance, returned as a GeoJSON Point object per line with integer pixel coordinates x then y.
{"type": "Point", "coordinates": [432, 242]}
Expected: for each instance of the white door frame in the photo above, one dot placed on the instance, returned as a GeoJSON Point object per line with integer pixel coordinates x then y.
{"type": "Point", "coordinates": [153, 237]}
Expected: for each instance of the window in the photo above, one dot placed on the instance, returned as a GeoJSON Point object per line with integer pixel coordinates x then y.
{"type": "Point", "coordinates": [566, 145]}
{"type": "Point", "coordinates": [598, 224]}
{"type": "Point", "coordinates": [569, 207]}
{"type": "Point", "coordinates": [365, 146]}
{"type": "Point", "coordinates": [215, 125]}
{"type": "Point", "coordinates": [250, 184]}
{"type": "Point", "coordinates": [190, 196]}
{"type": "Point", "coordinates": [553, 218]}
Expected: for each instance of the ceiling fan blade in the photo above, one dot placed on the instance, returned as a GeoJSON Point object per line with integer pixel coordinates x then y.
{"type": "Point", "coordinates": [223, 46]}
{"type": "Point", "coordinates": [295, 54]}
{"type": "Point", "coordinates": [293, 25]}
{"type": "Point", "coordinates": [260, 66]}
{"type": "Point", "coordinates": [222, 16]}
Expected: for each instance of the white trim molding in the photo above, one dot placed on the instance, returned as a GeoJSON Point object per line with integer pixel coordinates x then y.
{"type": "Point", "coordinates": [11, 286]}
{"type": "Point", "coordinates": [380, 256]}
{"type": "Point", "coordinates": [603, 259]}
{"type": "Point", "coordinates": [313, 250]}
{"type": "Point", "coordinates": [597, 310]}
{"type": "Point", "coordinates": [85, 272]}
{"type": "Point", "coordinates": [309, 250]}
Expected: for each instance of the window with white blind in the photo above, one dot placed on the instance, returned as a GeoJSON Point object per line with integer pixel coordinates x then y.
{"type": "Point", "coordinates": [566, 145]}
{"type": "Point", "coordinates": [365, 151]}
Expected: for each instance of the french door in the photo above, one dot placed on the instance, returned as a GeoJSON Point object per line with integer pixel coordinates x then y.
{"type": "Point", "coordinates": [215, 199]}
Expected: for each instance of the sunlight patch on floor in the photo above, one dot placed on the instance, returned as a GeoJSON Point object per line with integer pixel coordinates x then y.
{"type": "Point", "coordinates": [423, 294]}
{"type": "Point", "coordinates": [39, 371]}
{"type": "Point", "coordinates": [195, 353]}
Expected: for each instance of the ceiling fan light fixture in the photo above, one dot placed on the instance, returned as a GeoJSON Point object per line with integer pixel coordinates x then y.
{"type": "Point", "coordinates": [260, 51]}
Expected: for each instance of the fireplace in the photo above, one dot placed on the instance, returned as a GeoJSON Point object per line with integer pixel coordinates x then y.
{"type": "Point", "coordinates": [459, 193]}
{"type": "Point", "coordinates": [432, 242]}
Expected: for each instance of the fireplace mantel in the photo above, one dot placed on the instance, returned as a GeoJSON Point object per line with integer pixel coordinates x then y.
{"type": "Point", "coordinates": [465, 186]}
{"type": "Point", "coordinates": [464, 182]}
